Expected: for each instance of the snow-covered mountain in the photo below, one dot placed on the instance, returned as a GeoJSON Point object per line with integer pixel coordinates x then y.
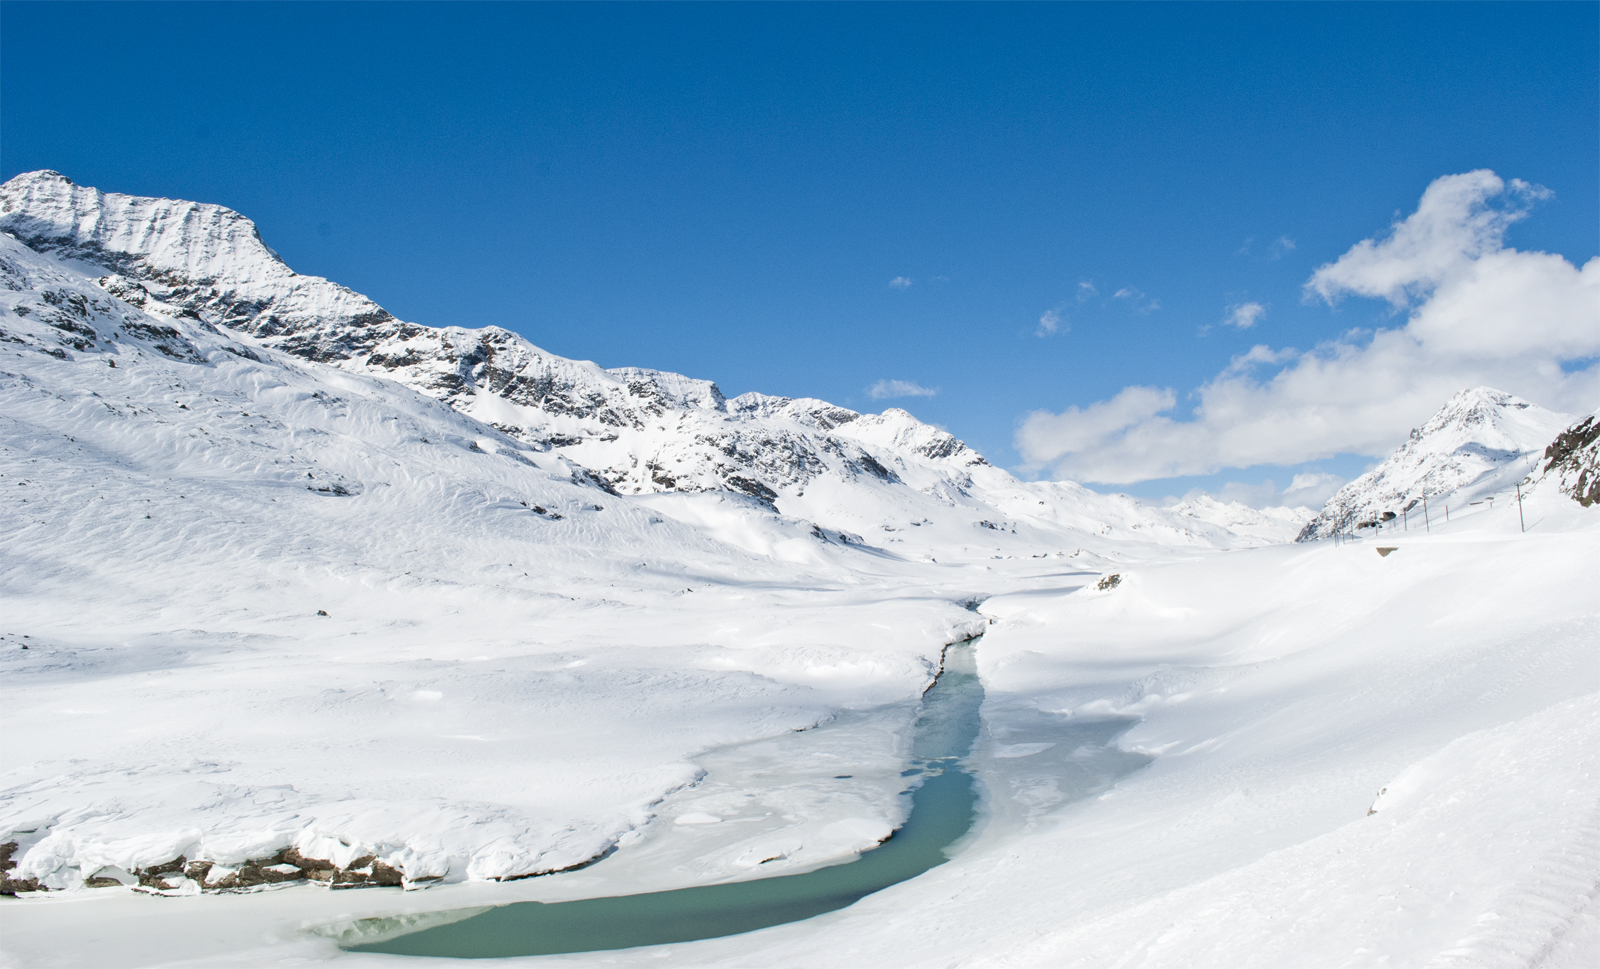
{"type": "Point", "coordinates": [877, 479]}
{"type": "Point", "coordinates": [1477, 433]}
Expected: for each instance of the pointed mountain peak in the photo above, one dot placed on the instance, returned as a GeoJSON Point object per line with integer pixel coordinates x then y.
{"type": "Point", "coordinates": [1478, 431]}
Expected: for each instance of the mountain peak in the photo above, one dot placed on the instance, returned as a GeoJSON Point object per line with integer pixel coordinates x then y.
{"type": "Point", "coordinates": [1477, 431]}
{"type": "Point", "coordinates": [42, 175]}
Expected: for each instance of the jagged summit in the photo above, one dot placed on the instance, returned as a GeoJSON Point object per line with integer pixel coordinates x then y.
{"type": "Point", "coordinates": [1476, 432]}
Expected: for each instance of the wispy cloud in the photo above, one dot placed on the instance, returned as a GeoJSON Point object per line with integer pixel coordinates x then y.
{"type": "Point", "coordinates": [900, 282]}
{"type": "Point", "coordinates": [1141, 302]}
{"type": "Point", "coordinates": [1050, 322]}
{"type": "Point", "coordinates": [1086, 291]}
{"type": "Point", "coordinates": [1244, 315]}
{"type": "Point", "coordinates": [889, 389]}
{"type": "Point", "coordinates": [1277, 249]}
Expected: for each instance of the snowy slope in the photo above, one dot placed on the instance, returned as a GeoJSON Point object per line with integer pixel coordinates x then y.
{"type": "Point", "coordinates": [1357, 760]}
{"type": "Point", "coordinates": [885, 479]}
{"type": "Point", "coordinates": [1476, 434]}
{"type": "Point", "coordinates": [182, 505]}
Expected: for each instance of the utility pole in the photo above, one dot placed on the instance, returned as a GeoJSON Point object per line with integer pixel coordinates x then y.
{"type": "Point", "coordinates": [1427, 526]}
{"type": "Point", "coordinates": [1520, 520]}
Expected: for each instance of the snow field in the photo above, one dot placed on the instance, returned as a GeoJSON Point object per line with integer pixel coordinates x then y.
{"type": "Point", "coordinates": [1279, 691]}
{"type": "Point", "coordinates": [513, 667]}
{"type": "Point", "coordinates": [270, 602]}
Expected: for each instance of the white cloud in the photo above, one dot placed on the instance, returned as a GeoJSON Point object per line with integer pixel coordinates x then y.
{"type": "Point", "coordinates": [1049, 322]}
{"type": "Point", "coordinates": [1244, 315]}
{"type": "Point", "coordinates": [900, 282]}
{"type": "Point", "coordinates": [1455, 224]}
{"type": "Point", "coordinates": [1478, 314]}
{"type": "Point", "coordinates": [886, 389]}
{"type": "Point", "coordinates": [1075, 429]}
{"type": "Point", "coordinates": [1086, 291]}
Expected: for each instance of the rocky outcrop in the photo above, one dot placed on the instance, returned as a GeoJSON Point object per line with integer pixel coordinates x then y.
{"type": "Point", "coordinates": [8, 884]}
{"type": "Point", "coordinates": [182, 876]}
{"type": "Point", "coordinates": [1573, 461]}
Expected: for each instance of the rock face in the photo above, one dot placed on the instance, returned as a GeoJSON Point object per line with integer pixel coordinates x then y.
{"type": "Point", "coordinates": [1476, 432]}
{"type": "Point", "coordinates": [1572, 461]}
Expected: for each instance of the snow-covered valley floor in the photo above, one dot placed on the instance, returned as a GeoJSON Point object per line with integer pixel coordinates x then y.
{"type": "Point", "coordinates": [1279, 690]}
{"type": "Point", "coordinates": [266, 615]}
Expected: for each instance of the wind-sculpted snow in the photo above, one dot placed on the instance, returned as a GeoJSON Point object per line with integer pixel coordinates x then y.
{"type": "Point", "coordinates": [1477, 432]}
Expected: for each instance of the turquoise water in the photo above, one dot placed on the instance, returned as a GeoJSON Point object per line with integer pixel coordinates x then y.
{"type": "Point", "coordinates": [942, 810]}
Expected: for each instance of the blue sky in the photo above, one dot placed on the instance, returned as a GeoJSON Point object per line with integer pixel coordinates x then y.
{"type": "Point", "coordinates": [728, 191]}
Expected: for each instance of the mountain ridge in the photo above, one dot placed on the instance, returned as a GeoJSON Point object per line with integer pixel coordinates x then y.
{"type": "Point", "coordinates": [634, 431]}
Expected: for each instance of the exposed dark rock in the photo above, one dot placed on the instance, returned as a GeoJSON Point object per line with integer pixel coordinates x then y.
{"type": "Point", "coordinates": [1574, 457]}
{"type": "Point", "coordinates": [8, 884]}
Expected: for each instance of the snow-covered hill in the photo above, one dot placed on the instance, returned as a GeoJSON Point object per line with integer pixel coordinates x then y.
{"type": "Point", "coordinates": [885, 480]}
{"type": "Point", "coordinates": [1477, 433]}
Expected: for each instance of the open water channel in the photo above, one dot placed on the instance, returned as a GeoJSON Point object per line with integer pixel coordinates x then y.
{"type": "Point", "coordinates": [944, 798]}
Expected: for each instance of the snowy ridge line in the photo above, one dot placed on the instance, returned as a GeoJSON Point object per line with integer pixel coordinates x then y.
{"type": "Point", "coordinates": [629, 430]}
